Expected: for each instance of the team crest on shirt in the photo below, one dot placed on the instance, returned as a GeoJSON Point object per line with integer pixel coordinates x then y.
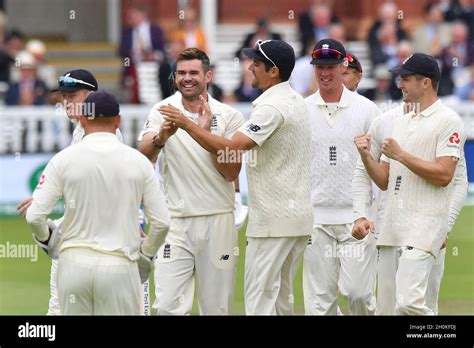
{"type": "Point", "coordinates": [253, 128]}
{"type": "Point", "coordinates": [332, 155]}
{"type": "Point", "coordinates": [214, 125]}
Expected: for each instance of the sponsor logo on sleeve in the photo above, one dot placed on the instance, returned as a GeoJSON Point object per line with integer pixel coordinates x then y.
{"type": "Point", "coordinates": [253, 128]}
{"type": "Point", "coordinates": [41, 181]}
{"type": "Point", "coordinates": [454, 140]}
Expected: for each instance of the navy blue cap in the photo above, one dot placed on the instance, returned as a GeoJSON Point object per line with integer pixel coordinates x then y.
{"type": "Point", "coordinates": [275, 52]}
{"type": "Point", "coordinates": [76, 80]}
{"type": "Point", "coordinates": [419, 63]}
{"type": "Point", "coordinates": [100, 104]}
{"type": "Point", "coordinates": [328, 52]}
{"type": "Point", "coordinates": [354, 62]}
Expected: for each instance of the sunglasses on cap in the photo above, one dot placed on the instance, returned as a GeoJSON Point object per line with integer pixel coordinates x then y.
{"type": "Point", "coordinates": [326, 53]}
{"type": "Point", "coordinates": [258, 45]}
{"type": "Point", "coordinates": [68, 81]}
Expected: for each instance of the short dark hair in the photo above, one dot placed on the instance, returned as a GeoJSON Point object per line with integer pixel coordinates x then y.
{"type": "Point", "coordinates": [195, 53]}
{"type": "Point", "coordinates": [284, 75]}
{"type": "Point", "coordinates": [434, 81]}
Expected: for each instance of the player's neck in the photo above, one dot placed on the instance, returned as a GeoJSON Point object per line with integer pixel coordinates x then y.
{"type": "Point", "coordinates": [331, 95]}
{"type": "Point", "coordinates": [426, 102]}
{"type": "Point", "coordinates": [191, 105]}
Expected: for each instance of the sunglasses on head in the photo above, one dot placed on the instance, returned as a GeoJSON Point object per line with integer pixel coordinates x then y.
{"type": "Point", "coordinates": [258, 45]}
{"type": "Point", "coordinates": [68, 81]}
{"type": "Point", "coordinates": [326, 53]}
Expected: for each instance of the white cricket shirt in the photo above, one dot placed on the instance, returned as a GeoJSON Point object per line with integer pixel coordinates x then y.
{"type": "Point", "coordinates": [279, 178]}
{"type": "Point", "coordinates": [416, 212]}
{"type": "Point", "coordinates": [194, 187]}
{"type": "Point", "coordinates": [103, 182]}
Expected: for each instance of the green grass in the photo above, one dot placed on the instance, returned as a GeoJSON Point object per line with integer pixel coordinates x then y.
{"type": "Point", "coordinates": [24, 284]}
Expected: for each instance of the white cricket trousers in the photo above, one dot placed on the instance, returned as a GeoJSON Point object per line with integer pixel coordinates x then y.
{"type": "Point", "coordinates": [53, 307]}
{"type": "Point", "coordinates": [335, 261]}
{"type": "Point", "coordinates": [402, 279]}
{"type": "Point", "coordinates": [270, 266]}
{"type": "Point", "coordinates": [387, 275]}
{"type": "Point", "coordinates": [201, 248]}
{"type": "Point", "coordinates": [434, 282]}
{"type": "Point", "coordinates": [95, 283]}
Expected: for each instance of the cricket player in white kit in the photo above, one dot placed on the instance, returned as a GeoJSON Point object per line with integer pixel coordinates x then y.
{"type": "Point", "coordinates": [74, 86]}
{"type": "Point", "coordinates": [202, 243]}
{"type": "Point", "coordinates": [361, 184]}
{"type": "Point", "coordinates": [100, 242]}
{"type": "Point", "coordinates": [280, 216]}
{"type": "Point", "coordinates": [335, 261]}
{"type": "Point", "coordinates": [417, 166]}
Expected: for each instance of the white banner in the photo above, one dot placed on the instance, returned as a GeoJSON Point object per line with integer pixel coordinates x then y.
{"type": "Point", "coordinates": [19, 176]}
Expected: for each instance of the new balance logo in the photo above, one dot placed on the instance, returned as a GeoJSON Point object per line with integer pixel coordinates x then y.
{"type": "Point", "coordinates": [332, 155]}
{"type": "Point", "coordinates": [253, 128]}
{"type": "Point", "coordinates": [224, 257]}
{"type": "Point", "coordinates": [398, 183]}
{"type": "Point", "coordinates": [167, 251]}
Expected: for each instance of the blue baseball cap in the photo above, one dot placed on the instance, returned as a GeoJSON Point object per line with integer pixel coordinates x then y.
{"type": "Point", "coordinates": [419, 63]}
{"type": "Point", "coordinates": [100, 104]}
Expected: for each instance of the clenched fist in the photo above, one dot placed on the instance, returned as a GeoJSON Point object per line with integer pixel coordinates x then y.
{"type": "Point", "coordinates": [392, 149]}
{"type": "Point", "coordinates": [362, 143]}
{"type": "Point", "coordinates": [361, 228]}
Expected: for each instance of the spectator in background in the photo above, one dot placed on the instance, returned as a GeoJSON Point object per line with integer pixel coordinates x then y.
{"type": "Point", "coordinates": [189, 31]}
{"type": "Point", "coordinates": [433, 35]}
{"type": "Point", "coordinates": [454, 58]}
{"type": "Point", "coordinates": [460, 10]}
{"type": "Point", "coordinates": [303, 79]}
{"type": "Point", "coordinates": [45, 71]}
{"type": "Point", "coordinates": [337, 31]}
{"type": "Point", "coordinates": [457, 10]}
{"type": "Point", "coordinates": [385, 52]}
{"type": "Point", "coordinates": [29, 90]}
{"type": "Point", "coordinates": [141, 41]}
{"type": "Point", "coordinates": [404, 50]}
{"type": "Point", "coordinates": [263, 33]}
{"type": "Point", "coordinates": [383, 80]}
{"type": "Point", "coordinates": [245, 92]}
{"type": "Point", "coordinates": [168, 67]}
{"type": "Point", "coordinates": [388, 13]}
{"type": "Point", "coordinates": [3, 26]}
{"type": "Point", "coordinates": [14, 43]}
{"type": "Point", "coordinates": [466, 91]}
{"type": "Point", "coordinates": [311, 19]}
{"type": "Point", "coordinates": [318, 28]}
{"type": "Point", "coordinates": [214, 90]}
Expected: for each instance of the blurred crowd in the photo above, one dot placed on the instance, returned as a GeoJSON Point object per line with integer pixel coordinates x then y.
{"type": "Point", "coordinates": [447, 33]}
